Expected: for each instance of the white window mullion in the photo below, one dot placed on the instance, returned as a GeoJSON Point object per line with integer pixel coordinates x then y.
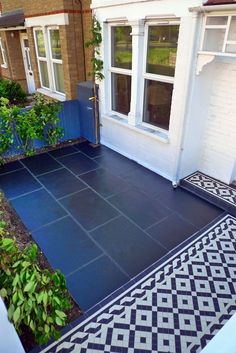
{"type": "Point", "coordinates": [134, 116]}
{"type": "Point", "coordinates": [48, 58]}
{"type": "Point", "coordinates": [226, 34]}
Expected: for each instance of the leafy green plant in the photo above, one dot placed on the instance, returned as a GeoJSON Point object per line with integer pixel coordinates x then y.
{"type": "Point", "coordinates": [35, 297]}
{"type": "Point", "coordinates": [28, 128]}
{"type": "Point", "coordinates": [48, 111]}
{"type": "Point", "coordinates": [6, 134]}
{"type": "Point", "coordinates": [13, 91]}
{"type": "Point", "coordinates": [95, 42]}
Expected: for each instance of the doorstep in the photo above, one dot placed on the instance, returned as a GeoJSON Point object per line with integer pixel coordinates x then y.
{"type": "Point", "coordinates": [212, 190]}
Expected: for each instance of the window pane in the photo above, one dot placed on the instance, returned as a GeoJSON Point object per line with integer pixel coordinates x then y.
{"type": "Point", "coordinates": [157, 103]}
{"type": "Point", "coordinates": [44, 73]}
{"type": "Point", "coordinates": [232, 29]}
{"type": "Point", "coordinates": [55, 43]}
{"type": "Point", "coordinates": [214, 39]}
{"type": "Point", "coordinates": [217, 20]}
{"type": "Point", "coordinates": [162, 50]}
{"type": "Point", "coordinates": [121, 47]}
{"type": "Point", "coordinates": [59, 77]}
{"type": "Point", "coordinates": [121, 93]}
{"type": "Point", "coordinates": [40, 43]}
{"type": "Point", "coordinates": [231, 48]}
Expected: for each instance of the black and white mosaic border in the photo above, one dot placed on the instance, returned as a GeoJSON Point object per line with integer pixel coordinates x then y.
{"type": "Point", "coordinates": [177, 307]}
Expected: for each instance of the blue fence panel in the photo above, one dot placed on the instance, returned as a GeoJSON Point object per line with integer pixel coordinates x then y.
{"type": "Point", "coordinates": [76, 118]}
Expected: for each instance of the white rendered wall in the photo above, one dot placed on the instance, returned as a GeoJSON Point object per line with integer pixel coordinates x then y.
{"type": "Point", "coordinates": [218, 153]}
{"type": "Point", "coordinates": [145, 148]}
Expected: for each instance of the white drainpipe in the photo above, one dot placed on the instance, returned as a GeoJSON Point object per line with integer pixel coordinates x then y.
{"type": "Point", "coordinates": [188, 98]}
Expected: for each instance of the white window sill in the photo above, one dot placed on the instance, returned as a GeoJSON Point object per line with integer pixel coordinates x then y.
{"type": "Point", "coordinates": [156, 134]}
{"type": "Point", "coordinates": [54, 95]}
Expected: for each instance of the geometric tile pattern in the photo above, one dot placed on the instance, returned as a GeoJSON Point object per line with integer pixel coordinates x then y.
{"type": "Point", "coordinates": [214, 187]}
{"type": "Point", "coordinates": [177, 307]}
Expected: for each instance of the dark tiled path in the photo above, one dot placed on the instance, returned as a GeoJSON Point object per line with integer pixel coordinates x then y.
{"type": "Point", "coordinates": [100, 217]}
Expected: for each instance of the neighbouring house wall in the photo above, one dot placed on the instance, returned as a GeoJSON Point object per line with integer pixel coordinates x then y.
{"type": "Point", "coordinates": [76, 58]}
{"type": "Point", "coordinates": [15, 66]}
{"type": "Point", "coordinates": [218, 153]}
{"type": "Point", "coordinates": [158, 154]}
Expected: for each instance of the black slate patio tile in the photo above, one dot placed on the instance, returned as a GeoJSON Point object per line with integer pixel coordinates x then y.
{"type": "Point", "coordinates": [89, 149]}
{"type": "Point", "coordinates": [149, 182]}
{"type": "Point", "coordinates": [17, 183]}
{"type": "Point", "coordinates": [79, 163]}
{"type": "Point", "coordinates": [41, 163]}
{"type": "Point", "coordinates": [61, 182]}
{"type": "Point", "coordinates": [60, 152]}
{"type": "Point", "coordinates": [88, 208]}
{"type": "Point", "coordinates": [66, 245]}
{"type": "Point", "coordinates": [192, 208]}
{"type": "Point", "coordinates": [172, 231]}
{"type": "Point", "coordinates": [131, 248]}
{"type": "Point", "coordinates": [139, 207]}
{"type": "Point", "coordinates": [116, 163]}
{"type": "Point", "coordinates": [94, 282]}
{"type": "Point", "coordinates": [37, 209]}
{"type": "Point", "coordinates": [104, 182]}
{"type": "Point", "coordinates": [10, 167]}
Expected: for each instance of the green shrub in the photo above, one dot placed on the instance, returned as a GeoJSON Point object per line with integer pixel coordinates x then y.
{"type": "Point", "coordinates": [41, 122]}
{"type": "Point", "coordinates": [35, 297]}
{"type": "Point", "coordinates": [13, 91]}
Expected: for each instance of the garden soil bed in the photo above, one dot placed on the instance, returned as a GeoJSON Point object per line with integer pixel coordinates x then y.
{"type": "Point", "coordinates": [17, 229]}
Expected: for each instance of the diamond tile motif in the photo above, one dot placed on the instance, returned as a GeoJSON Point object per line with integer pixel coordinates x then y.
{"type": "Point", "coordinates": [214, 187]}
{"type": "Point", "coordinates": [177, 307]}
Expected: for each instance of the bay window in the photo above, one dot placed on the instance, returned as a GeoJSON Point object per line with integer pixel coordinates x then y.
{"type": "Point", "coordinates": [120, 68]}
{"type": "Point", "coordinates": [161, 51]}
{"type": "Point", "coordinates": [49, 57]}
{"type": "Point", "coordinates": [219, 35]}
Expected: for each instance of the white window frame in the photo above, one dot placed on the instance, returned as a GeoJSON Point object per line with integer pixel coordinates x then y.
{"type": "Point", "coordinates": [48, 59]}
{"type": "Point", "coordinates": [4, 57]}
{"type": "Point", "coordinates": [155, 77]}
{"type": "Point", "coordinates": [226, 27]}
{"type": "Point", "coordinates": [116, 70]}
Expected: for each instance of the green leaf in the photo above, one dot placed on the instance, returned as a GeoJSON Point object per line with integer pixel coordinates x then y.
{"type": "Point", "coordinates": [60, 314]}
{"type": "Point", "coordinates": [16, 315]}
{"type": "Point", "coordinates": [3, 293]}
{"type": "Point", "coordinates": [29, 286]}
{"type": "Point", "coordinates": [59, 321]}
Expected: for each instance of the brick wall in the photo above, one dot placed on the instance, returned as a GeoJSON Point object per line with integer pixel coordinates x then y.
{"type": "Point", "coordinates": [218, 155]}
{"type": "Point", "coordinates": [15, 68]}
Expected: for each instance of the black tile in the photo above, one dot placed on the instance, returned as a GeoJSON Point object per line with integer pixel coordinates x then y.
{"type": "Point", "coordinates": [104, 182]}
{"type": "Point", "coordinates": [139, 207]}
{"type": "Point", "coordinates": [94, 282]}
{"type": "Point", "coordinates": [61, 182]}
{"type": "Point", "coordinates": [89, 149]}
{"type": "Point", "coordinates": [60, 152]}
{"type": "Point", "coordinates": [10, 167]}
{"type": "Point", "coordinates": [149, 182]}
{"type": "Point", "coordinates": [17, 183]}
{"type": "Point", "coordinates": [131, 248]}
{"type": "Point", "coordinates": [89, 209]}
{"type": "Point", "coordinates": [191, 207]}
{"type": "Point", "coordinates": [116, 163]}
{"type": "Point", "coordinates": [42, 163]}
{"type": "Point", "coordinates": [66, 245]}
{"type": "Point", "coordinates": [172, 231]}
{"type": "Point", "coordinates": [37, 209]}
{"type": "Point", "coordinates": [78, 163]}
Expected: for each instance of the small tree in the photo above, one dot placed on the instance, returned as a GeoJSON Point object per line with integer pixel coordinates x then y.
{"type": "Point", "coordinates": [97, 66]}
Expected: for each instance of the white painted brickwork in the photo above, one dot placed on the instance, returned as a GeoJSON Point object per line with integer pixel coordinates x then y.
{"type": "Point", "coordinates": [218, 153]}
